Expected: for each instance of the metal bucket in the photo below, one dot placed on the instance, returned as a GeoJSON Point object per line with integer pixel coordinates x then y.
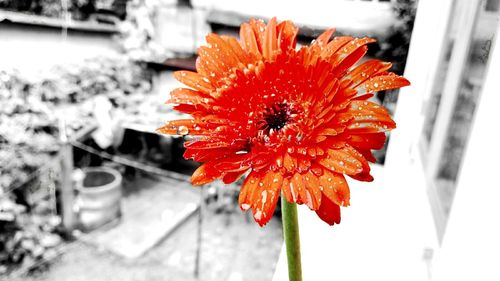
{"type": "Point", "coordinates": [99, 194]}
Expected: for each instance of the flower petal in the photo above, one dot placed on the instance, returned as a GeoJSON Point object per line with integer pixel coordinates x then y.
{"type": "Point", "coordinates": [205, 174]}
{"type": "Point", "coordinates": [289, 163]}
{"type": "Point", "coordinates": [249, 41]}
{"type": "Point", "coordinates": [385, 82]}
{"type": "Point", "coordinates": [264, 202]}
{"type": "Point", "coordinates": [335, 187]}
{"type": "Point", "coordinates": [235, 162]}
{"type": "Point", "coordinates": [367, 154]}
{"type": "Point", "coordinates": [297, 189]}
{"type": "Point", "coordinates": [270, 44]}
{"type": "Point", "coordinates": [237, 50]}
{"type": "Point", "coordinates": [205, 155]}
{"type": "Point", "coordinates": [367, 141]}
{"type": "Point", "coordinates": [365, 71]}
{"type": "Point", "coordinates": [342, 161]}
{"type": "Point", "coordinates": [223, 52]}
{"type": "Point", "coordinates": [287, 36]}
{"type": "Point", "coordinates": [286, 189]}
{"type": "Point", "coordinates": [183, 127]}
{"type": "Point", "coordinates": [188, 96]}
{"type": "Point", "coordinates": [249, 185]}
{"type": "Point", "coordinates": [329, 212]}
{"type": "Point", "coordinates": [208, 65]}
{"type": "Point", "coordinates": [233, 176]}
{"type": "Point", "coordinates": [324, 37]}
{"type": "Point", "coordinates": [334, 45]}
{"type": "Point", "coordinates": [194, 80]}
{"type": "Point", "coordinates": [313, 192]}
{"type": "Point", "coordinates": [363, 176]}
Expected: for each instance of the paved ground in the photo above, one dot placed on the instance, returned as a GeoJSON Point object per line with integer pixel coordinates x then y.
{"type": "Point", "coordinates": [233, 249]}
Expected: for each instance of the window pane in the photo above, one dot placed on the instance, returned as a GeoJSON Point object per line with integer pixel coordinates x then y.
{"type": "Point", "coordinates": [492, 5]}
{"type": "Point", "coordinates": [465, 105]}
{"type": "Point", "coordinates": [432, 105]}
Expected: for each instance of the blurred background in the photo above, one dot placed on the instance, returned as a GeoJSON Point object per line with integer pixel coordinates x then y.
{"type": "Point", "coordinates": [89, 191]}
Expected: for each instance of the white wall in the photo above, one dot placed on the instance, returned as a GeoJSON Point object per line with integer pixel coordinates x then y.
{"type": "Point", "coordinates": [354, 16]}
{"type": "Point", "coordinates": [31, 49]}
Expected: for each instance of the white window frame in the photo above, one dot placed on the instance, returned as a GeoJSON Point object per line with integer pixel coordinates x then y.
{"type": "Point", "coordinates": [427, 50]}
{"type": "Point", "coordinates": [470, 249]}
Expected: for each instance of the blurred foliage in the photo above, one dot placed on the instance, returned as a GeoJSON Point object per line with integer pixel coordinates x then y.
{"type": "Point", "coordinates": [137, 36]}
{"type": "Point", "coordinates": [395, 47]}
{"type": "Point", "coordinates": [79, 9]}
{"type": "Point", "coordinates": [26, 236]}
{"type": "Point", "coordinates": [33, 106]}
{"type": "Point", "coordinates": [29, 140]}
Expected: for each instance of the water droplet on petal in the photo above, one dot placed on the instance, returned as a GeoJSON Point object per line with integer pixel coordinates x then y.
{"type": "Point", "coordinates": [309, 200]}
{"type": "Point", "coordinates": [264, 197]}
{"type": "Point", "coordinates": [182, 130]}
{"type": "Point", "coordinates": [258, 215]}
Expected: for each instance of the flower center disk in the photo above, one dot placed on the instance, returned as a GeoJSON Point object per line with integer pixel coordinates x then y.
{"type": "Point", "coordinates": [277, 117]}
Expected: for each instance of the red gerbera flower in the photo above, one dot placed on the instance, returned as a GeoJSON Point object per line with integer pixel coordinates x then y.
{"type": "Point", "coordinates": [296, 120]}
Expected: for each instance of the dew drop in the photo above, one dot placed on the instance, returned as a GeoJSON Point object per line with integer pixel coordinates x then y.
{"type": "Point", "coordinates": [264, 197]}
{"type": "Point", "coordinates": [309, 200]}
{"type": "Point", "coordinates": [258, 215]}
{"type": "Point", "coordinates": [294, 196]}
{"type": "Point", "coordinates": [182, 130]}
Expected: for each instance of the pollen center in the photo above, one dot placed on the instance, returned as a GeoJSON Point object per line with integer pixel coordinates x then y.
{"type": "Point", "coordinates": [277, 116]}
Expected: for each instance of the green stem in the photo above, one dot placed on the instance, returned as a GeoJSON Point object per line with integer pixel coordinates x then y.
{"type": "Point", "coordinates": [292, 239]}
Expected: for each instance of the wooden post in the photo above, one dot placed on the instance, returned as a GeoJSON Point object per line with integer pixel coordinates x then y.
{"type": "Point", "coordinates": [66, 190]}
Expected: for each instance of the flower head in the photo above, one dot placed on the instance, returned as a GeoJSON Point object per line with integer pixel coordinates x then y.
{"type": "Point", "coordinates": [295, 120]}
